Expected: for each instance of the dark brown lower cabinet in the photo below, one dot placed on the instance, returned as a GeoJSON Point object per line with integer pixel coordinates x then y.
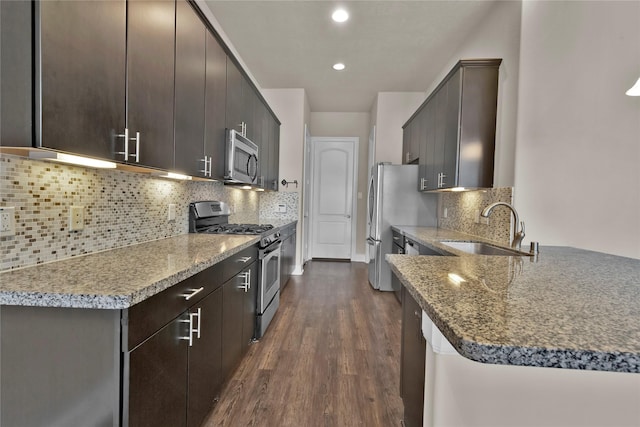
{"type": "Point", "coordinates": [238, 317]}
{"type": "Point", "coordinates": [205, 374]}
{"type": "Point", "coordinates": [412, 361]}
{"type": "Point", "coordinates": [157, 373]}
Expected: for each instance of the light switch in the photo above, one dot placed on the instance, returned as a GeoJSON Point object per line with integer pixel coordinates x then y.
{"type": "Point", "coordinates": [282, 208]}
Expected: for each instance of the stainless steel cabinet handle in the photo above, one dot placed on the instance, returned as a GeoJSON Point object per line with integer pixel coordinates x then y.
{"type": "Point", "coordinates": [347, 216]}
{"type": "Point", "coordinates": [423, 183]}
{"type": "Point", "coordinates": [137, 154]}
{"type": "Point", "coordinates": [124, 135]}
{"type": "Point", "coordinates": [207, 165]}
{"type": "Point", "coordinates": [244, 259]}
{"type": "Point", "coordinates": [193, 330]}
{"type": "Point", "coordinates": [193, 293]}
{"type": "Point", "coordinates": [246, 284]}
{"type": "Point", "coordinates": [198, 313]}
{"type": "Point", "coordinates": [441, 177]}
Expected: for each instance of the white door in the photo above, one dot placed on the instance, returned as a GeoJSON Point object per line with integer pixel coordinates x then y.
{"type": "Point", "coordinates": [332, 197]}
{"type": "Point", "coordinates": [306, 199]}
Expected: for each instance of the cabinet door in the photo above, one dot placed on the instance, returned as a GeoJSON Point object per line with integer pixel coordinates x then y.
{"type": "Point", "coordinates": [452, 128]}
{"type": "Point", "coordinates": [150, 80]}
{"type": "Point", "coordinates": [249, 312]}
{"type": "Point", "coordinates": [233, 299]}
{"type": "Point", "coordinates": [406, 143]}
{"type": "Point", "coordinates": [413, 150]}
{"type": "Point", "coordinates": [274, 155]}
{"type": "Point", "coordinates": [428, 130]}
{"type": "Point", "coordinates": [82, 76]}
{"type": "Point", "coordinates": [157, 378]}
{"type": "Point", "coordinates": [261, 137]}
{"type": "Point", "coordinates": [205, 375]}
{"type": "Point", "coordinates": [251, 106]}
{"type": "Point", "coordinates": [189, 90]}
{"type": "Point", "coordinates": [215, 104]}
{"type": "Point", "coordinates": [412, 361]}
{"type": "Point", "coordinates": [443, 178]}
{"type": "Point", "coordinates": [234, 96]}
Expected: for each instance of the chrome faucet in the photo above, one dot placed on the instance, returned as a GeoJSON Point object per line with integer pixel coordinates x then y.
{"type": "Point", "coordinates": [517, 235]}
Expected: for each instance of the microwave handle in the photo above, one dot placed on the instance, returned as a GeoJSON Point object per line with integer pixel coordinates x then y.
{"type": "Point", "coordinates": [255, 175]}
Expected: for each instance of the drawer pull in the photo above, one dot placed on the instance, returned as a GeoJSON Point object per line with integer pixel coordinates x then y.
{"type": "Point", "coordinates": [192, 294]}
{"type": "Point", "coordinates": [244, 259]}
{"type": "Point", "coordinates": [193, 330]}
{"type": "Point", "coordinates": [246, 284]}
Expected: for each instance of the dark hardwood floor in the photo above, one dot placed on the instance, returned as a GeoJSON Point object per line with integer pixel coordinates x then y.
{"type": "Point", "coordinates": [331, 357]}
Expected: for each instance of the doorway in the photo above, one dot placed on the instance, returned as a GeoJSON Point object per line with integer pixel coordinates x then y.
{"type": "Point", "coordinates": [333, 220]}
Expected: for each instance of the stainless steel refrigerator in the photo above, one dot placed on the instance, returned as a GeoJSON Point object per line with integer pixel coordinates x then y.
{"type": "Point", "coordinates": [394, 199]}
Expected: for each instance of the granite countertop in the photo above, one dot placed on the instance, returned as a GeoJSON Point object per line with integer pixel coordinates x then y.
{"type": "Point", "coordinates": [278, 223]}
{"type": "Point", "coordinates": [118, 278]}
{"type": "Point", "coordinates": [565, 308]}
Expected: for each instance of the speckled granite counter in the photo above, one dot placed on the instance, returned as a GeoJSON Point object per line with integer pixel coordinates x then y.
{"type": "Point", "coordinates": [569, 308]}
{"type": "Point", "coordinates": [118, 278]}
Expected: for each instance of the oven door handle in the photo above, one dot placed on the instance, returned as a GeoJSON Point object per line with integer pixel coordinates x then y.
{"type": "Point", "coordinates": [271, 248]}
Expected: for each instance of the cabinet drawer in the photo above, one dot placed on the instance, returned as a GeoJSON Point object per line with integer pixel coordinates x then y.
{"type": "Point", "coordinates": [238, 262]}
{"type": "Point", "coordinates": [147, 317]}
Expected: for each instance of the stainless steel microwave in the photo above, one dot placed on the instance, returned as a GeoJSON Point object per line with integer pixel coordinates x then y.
{"type": "Point", "coordinates": [241, 165]}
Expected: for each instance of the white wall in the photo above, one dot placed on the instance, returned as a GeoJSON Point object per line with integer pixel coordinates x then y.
{"type": "Point", "coordinates": [350, 124]}
{"type": "Point", "coordinates": [291, 107]}
{"type": "Point", "coordinates": [497, 36]}
{"type": "Point", "coordinates": [578, 150]}
{"type": "Point", "coordinates": [392, 110]}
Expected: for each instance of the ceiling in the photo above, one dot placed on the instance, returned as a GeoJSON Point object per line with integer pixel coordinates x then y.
{"type": "Point", "coordinates": [386, 45]}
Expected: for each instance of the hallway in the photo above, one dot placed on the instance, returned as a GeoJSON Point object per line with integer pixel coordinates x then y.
{"type": "Point", "coordinates": [330, 358]}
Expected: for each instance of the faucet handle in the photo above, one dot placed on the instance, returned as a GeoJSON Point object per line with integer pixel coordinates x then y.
{"type": "Point", "coordinates": [522, 227]}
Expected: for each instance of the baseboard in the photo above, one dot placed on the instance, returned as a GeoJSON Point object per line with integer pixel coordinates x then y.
{"type": "Point", "coordinates": [298, 271]}
{"type": "Point", "coordinates": [359, 258]}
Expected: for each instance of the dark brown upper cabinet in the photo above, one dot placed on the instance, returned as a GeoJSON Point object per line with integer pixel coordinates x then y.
{"type": "Point", "coordinates": [190, 92]}
{"type": "Point", "coordinates": [105, 76]}
{"type": "Point", "coordinates": [80, 92]}
{"type": "Point", "coordinates": [215, 106]}
{"type": "Point", "coordinates": [150, 82]}
{"type": "Point", "coordinates": [456, 126]}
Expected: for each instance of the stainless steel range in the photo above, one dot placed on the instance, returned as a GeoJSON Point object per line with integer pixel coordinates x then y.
{"type": "Point", "coordinates": [213, 217]}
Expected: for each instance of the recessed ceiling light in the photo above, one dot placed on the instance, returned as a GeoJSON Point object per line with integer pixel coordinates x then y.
{"type": "Point", "coordinates": [340, 15]}
{"type": "Point", "coordinates": [339, 66]}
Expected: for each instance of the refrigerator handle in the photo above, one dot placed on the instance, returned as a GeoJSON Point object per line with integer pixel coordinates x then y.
{"type": "Point", "coordinates": [371, 202]}
{"type": "Point", "coordinates": [370, 241]}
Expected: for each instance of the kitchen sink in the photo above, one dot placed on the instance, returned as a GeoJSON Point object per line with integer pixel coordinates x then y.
{"type": "Point", "coordinates": [482, 248]}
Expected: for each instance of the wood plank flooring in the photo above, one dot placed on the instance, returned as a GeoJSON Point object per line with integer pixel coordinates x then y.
{"type": "Point", "coordinates": [331, 357]}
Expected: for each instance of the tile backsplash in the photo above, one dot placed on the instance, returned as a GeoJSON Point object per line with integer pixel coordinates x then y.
{"type": "Point", "coordinates": [461, 213]}
{"type": "Point", "coordinates": [120, 208]}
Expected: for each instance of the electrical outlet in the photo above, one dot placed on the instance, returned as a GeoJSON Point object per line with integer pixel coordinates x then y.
{"type": "Point", "coordinates": [7, 222]}
{"type": "Point", "coordinates": [172, 212]}
{"type": "Point", "coordinates": [76, 218]}
{"type": "Point", "coordinates": [445, 212]}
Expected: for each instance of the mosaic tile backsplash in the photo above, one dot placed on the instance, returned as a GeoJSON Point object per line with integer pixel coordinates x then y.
{"type": "Point", "coordinates": [269, 206]}
{"type": "Point", "coordinates": [461, 213]}
{"type": "Point", "coordinates": [120, 208]}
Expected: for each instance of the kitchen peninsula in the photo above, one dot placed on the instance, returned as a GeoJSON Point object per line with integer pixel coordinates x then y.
{"type": "Point", "coordinates": [564, 308]}
{"type": "Point", "coordinates": [140, 335]}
